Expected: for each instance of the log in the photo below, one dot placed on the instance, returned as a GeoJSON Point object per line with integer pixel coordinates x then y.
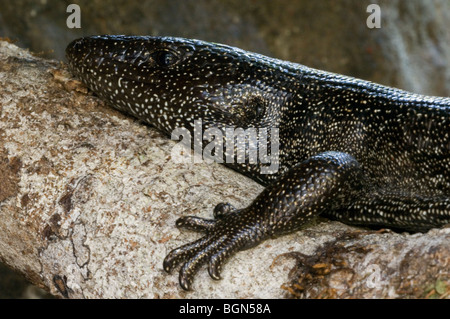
{"type": "Point", "coordinates": [89, 199]}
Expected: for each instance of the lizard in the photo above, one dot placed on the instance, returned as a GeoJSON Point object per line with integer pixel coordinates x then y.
{"type": "Point", "coordinates": [348, 149]}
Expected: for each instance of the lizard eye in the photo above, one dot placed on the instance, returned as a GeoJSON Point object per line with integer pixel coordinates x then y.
{"type": "Point", "coordinates": [165, 58]}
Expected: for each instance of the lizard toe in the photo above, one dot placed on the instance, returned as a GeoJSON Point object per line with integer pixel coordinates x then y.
{"type": "Point", "coordinates": [191, 267]}
{"type": "Point", "coordinates": [223, 209]}
{"type": "Point", "coordinates": [219, 258]}
{"type": "Point", "coordinates": [197, 224]}
{"type": "Point", "coordinates": [182, 253]}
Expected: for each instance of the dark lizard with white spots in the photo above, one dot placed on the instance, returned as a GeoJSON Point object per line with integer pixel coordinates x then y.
{"type": "Point", "coordinates": [350, 150]}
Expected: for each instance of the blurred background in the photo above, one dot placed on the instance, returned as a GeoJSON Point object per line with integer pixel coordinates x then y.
{"type": "Point", "coordinates": [410, 50]}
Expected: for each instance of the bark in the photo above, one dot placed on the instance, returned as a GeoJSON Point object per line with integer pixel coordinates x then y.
{"type": "Point", "coordinates": [89, 199]}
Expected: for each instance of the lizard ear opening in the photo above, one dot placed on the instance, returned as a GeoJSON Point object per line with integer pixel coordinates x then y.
{"type": "Point", "coordinates": [254, 109]}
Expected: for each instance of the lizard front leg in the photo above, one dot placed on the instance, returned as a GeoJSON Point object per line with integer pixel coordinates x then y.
{"type": "Point", "coordinates": [323, 182]}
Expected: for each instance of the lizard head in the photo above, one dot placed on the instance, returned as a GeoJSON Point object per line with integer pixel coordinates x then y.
{"type": "Point", "coordinates": [171, 82]}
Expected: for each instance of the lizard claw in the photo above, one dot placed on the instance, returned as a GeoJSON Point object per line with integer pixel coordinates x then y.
{"type": "Point", "coordinates": [225, 235]}
{"type": "Point", "coordinates": [181, 253]}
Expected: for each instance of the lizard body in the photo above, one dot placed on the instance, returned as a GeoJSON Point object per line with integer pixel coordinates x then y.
{"type": "Point", "coordinates": [349, 149]}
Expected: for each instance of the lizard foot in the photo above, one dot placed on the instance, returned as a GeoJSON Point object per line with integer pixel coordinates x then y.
{"type": "Point", "coordinates": [318, 184]}
{"type": "Point", "coordinates": [231, 230]}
